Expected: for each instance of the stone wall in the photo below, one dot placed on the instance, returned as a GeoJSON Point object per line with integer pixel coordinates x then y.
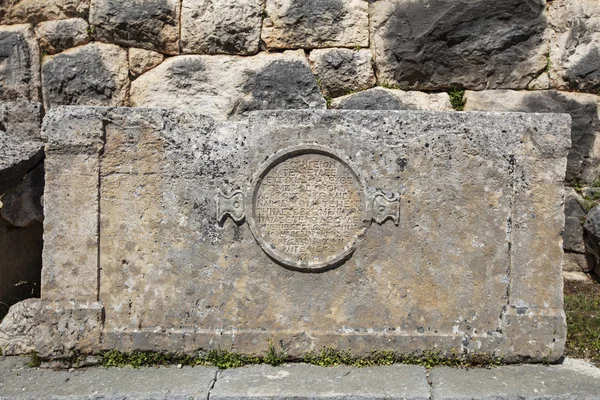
{"type": "Point", "coordinates": [225, 58]}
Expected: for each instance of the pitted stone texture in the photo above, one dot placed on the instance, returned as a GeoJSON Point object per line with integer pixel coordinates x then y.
{"type": "Point", "coordinates": [19, 64]}
{"type": "Point", "coordinates": [575, 45]}
{"type": "Point", "coordinates": [292, 24]}
{"type": "Point", "coordinates": [300, 381]}
{"type": "Point", "coordinates": [222, 86]}
{"type": "Point", "coordinates": [221, 26]}
{"type": "Point", "coordinates": [58, 329]}
{"type": "Point", "coordinates": [584, 156]}
{"type": "Point", "coordinates": [343, 71]}
{"type": "Point", "coordinates": [21, 147]}
{"type": "Point", "coordinates": [147, 24]}
{"type": "Point", "coordinates": [23, 205]}
{"type": "Point", "coordinates": [574, 215]}
{"type": "Point", "coordinates": [574, 379]}
{"type": "Point", "coordinates": [141, 61]}
{"type": "Point", "coordinates": [481, 196]}
{"type": "Point", "coordinates": [34, 11]}
{"type": "Point", "coordinates": [57, 36]}
{"type": "Point", "coordinates": [94, 74]}
{"type": "Point", "coordinates": [391, 99]}
{"type": "Point", "coordinates": [439, 44]}
{"type": "Point", "coordinates": [542, 82]}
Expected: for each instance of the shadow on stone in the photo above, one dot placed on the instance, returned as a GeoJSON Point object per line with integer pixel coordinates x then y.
{"type": "Point", "coordinates": [472, 44]}
{"type": "Point", "coordinates": [585, 75]}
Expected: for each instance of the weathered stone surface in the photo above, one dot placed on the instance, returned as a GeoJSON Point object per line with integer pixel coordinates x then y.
{"type": "Point", "coordinates": [147, 24]}
{"type": "Point", "coordinates": [438, 44]}
{"type": "Point", "coordinates": [21, 148]}
{"type": "Point", "coordinates": [23, 205]}
{"type": "Point", "coordinates": [391, 99]}
{"type": "Point", "coordinates": [222, 86]}
{"type": "Point", "coordinates": [343, 71]}
{"type": "Point", "coordinates": [34, 11]}
{"type": "Point", "coordinates": [542, 82]}
{"type": "Point", "coordinates": [591, 237]}
{"type": "Point", "coordinates": [575, 45]}
{"type": "Point", "coordinates": [574, 379]}
{"type": "Point", "coordinates": [94, 74]}
{"type": "Point", "coordinates": [19, 64]}
{"type": "Point", "coordinates": [478, 238]}
{"type": "Point", "coordinates": [72, 177]}
{"type": "Point", "coordinates": [584, 156]}
{"type": "Point", "coordinates": [141, 61]}
{"type": "Point", "coordinates": [576, 262]}
{"type": "Point", "coordinates": [574, 215]}
{"type": "Point", "coordinates": [57, 36]}
{"type": "Point", "coordinates": [59, 329]}
{"type": "Point", "coordinates": [221, 26]}
{"type": "Point", "coordinates": [165, 383]}
{"type": "Point", "coordinates": [307, 381]}
{"type": "Point", "coordinates": [292, 24]}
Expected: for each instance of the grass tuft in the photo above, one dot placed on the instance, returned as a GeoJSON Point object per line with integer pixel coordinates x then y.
{"type": "Point", "coordinates": [582, 306]}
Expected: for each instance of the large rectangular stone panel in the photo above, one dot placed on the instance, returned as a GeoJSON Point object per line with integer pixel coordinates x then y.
{"type": "Point", "coordinates": [351, 229]}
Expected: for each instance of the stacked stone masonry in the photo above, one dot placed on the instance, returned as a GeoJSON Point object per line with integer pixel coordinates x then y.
{"type": "Point", "coordinates": [225, 58]}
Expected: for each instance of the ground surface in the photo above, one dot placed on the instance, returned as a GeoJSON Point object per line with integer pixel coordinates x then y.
{"type": "Point", "coordinates": [573, 379]}
{"type": "Point", "coordinates": [582, 306]}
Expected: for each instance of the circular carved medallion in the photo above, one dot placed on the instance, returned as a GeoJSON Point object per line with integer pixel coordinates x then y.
{"type": "Point", "coordinates": [308, 208]}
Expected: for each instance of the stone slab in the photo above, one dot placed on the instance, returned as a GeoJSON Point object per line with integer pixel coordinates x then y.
{"type": "Point", "coordinates": [19, 382]}
{"type": "Point", "coordinates": [181, 235]}
{"type": "Point", "coordinates": [574, 380]}
{"type": "Point", "coordinates": [299, 381]}
{"type": "Point", "coordinates": [19, 63]}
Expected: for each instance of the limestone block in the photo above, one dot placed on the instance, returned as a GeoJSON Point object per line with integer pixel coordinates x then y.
{"type": "Point", "coordinates": [577, 262]}
{"type": "Point", "coordinates": [292, 24]}
{"type": "Point", "coordinates": [70, 254]}
{"type": "Point", "coordinates": [343, 71]}
{"type": "Point", "coordinates": [141, 61]}
{"type": "Point", "coordinates": [391, 99]}
{"type": "Point", "coordinates": [584, 156]}
{"type": "Point", "coordinates": [592, 238]}
{"type": "Point", "coordinates": [57, 36]}
{"type": "Point", "coordinates": [439, 44]}
{"type": "Point", "coordinates": [575, 45]}
{"type": "Point", "coordinates": [57, 329]}
{"type": "Point", "coordinates": [19, 64]}
{"type": "Point", "coordinates": [35, 11]}
{"type": "Point", "coordinates": [21, 147]}
{"type": "Point", "coordinates": [437, 229]}
{"type": "Point", "coordinates": [222, 86]}
{"type": "Point", "coordinates": [574, 217]}
{"type": "Point", "coordinates": [147, 24]}
{"type": "Point", "coordinates": [23, 205]}
{"type": "Point", "coordinates": [221, 26]}
{"type": "Point", "coordinates": [94, 74]}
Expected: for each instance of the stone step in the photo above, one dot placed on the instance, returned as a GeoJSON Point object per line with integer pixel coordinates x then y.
{"type": "Point", "coordinates": [574, 379]}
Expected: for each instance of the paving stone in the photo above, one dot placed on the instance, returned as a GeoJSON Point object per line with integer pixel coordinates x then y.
{"type": "Point", "coordinates": [293, 24]}
{"type": "Point", "coordinates": [392, 99]}
{"type": "Point", "coordinates": [94, 74]}
{"type": "Point", "coordinates": [439, 44]}
{"type": "Point", "coordinates": [298, 381]}
{"type": "Point", "coordinates": [222, 86]}
{"type": "Point", "coordinates": [584, 156]}
{"type": "Point", "coordinates": [35, 11]}
{"type": "Point", "coordinates": [19, 64]}
{"type": "Point", "coordinates": [147, 24]}
{"type": "Point", "coordinates": [221, 26]}
{"type": "Point", "coordinates": [574, 380]}
{"type": "Point", "coordinates": [57, 36]}
{"type": "Point", "coordinates": [343, 71]}
{"type": "Point", "coordinates": [575, 45]}
{"type": "Point", "coordinates": [19, 382]}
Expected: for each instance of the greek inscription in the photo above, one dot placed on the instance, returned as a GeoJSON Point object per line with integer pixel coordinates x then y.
{"type": "Point", "coordinates": [309, 207]}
